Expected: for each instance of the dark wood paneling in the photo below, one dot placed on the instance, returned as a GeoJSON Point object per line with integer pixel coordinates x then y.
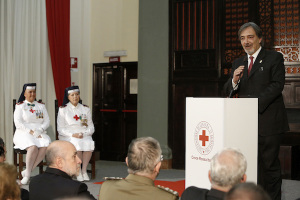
{"type": "Point", "coordinates": [194, 26]}
{"type": "Point", "coordinates": [291, 93]}
{"type": "Point", "coordinates": [290, 161]}
{"type": "Point", "coordinates": [195, 60]}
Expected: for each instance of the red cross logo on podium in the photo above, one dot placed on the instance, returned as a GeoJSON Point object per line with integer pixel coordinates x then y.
{"type": "Point", "coordinates": [76, 117]}
{"type": "Point", "coordinates": [203, 137]}
{"type": "Point", "coordinates": [31, 110]}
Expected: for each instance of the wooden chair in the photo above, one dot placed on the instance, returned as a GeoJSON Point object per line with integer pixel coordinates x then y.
{"type": "Point", "coordinates": [92, 171]}
{"type": "Point", "coordinates": [18, 153]}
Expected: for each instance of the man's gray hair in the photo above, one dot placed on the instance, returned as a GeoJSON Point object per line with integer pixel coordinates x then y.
{"type": "Point", "coordinates": [256, 28]}
{"type": "Point", "coordinates": [228, 167]}
{"type": "Point", "coordinates": [143, 155]}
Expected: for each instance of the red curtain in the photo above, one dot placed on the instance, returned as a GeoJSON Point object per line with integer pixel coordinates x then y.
{"type": "Point", "coordinates": [58, 22]}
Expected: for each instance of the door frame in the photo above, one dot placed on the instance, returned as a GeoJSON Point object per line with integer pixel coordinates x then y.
{"type": "Point", "coordinates": [96, 66]}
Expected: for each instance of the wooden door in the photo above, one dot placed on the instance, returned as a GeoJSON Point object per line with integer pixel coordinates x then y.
{"type": "Point", "coordinates": [115, 108]}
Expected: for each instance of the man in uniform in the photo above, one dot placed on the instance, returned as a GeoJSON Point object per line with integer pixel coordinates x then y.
{"type": "Point", "coordinates": [143, 161]}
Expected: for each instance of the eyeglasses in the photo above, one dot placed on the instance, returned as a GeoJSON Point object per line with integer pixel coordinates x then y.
{"type": "Point", "coordinates": [161, 159]}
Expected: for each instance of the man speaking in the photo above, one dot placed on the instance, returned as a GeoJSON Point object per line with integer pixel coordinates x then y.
{"type": "Point", "coordinates": [261, 74]}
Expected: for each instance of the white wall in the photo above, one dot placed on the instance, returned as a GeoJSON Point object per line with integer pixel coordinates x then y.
{"type": "Point", "coordinates": [80, 42]}
{"type": "Point", "coordinates": [114, 27]}
{"type": "Point", "coordinates": [97, 26]}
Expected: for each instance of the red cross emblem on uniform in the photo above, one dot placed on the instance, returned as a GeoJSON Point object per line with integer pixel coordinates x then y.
{"type": "Point", "coordinates": [76, 117]}
{"type": "Point", "coordinates": [203, 137]}
{"type": "Point", "coordinates": [31, 110]}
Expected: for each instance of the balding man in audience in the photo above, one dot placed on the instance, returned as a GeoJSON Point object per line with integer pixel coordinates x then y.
{"type": "Point", "coordinates": [247, 191]}
{"type": "Point", "coordinates": [227, 168]}
{"type": "Point", "coordinates": [56, 182]}
{"type": "Point", "coordinates": [143, 161]}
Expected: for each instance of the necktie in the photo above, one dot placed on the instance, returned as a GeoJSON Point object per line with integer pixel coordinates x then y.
{"type": "Point", "coordinates": [30, 104]}
{"type": "Point", "coordinates": [250, 66]}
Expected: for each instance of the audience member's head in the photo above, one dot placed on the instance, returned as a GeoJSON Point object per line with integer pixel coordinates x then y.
{"type": "Point", "coordinates": [247, 191]}
{"type": "Point", "coordinates": [144, 157]}
{"type": "Point", "coordinates": [227, 168]}
{"type": "Point", "coordinates": [2, 154]}
{"type": "Point", "coordinates": [73, 198]}
{"type": "Point", "coordinates": [62, 155]}
{"type": "Point", "coordinates": [9, 189]}
{"type": "Point", "coordinates": [2, 144]}
{"type": "Point", "coordinates": [2, 151]}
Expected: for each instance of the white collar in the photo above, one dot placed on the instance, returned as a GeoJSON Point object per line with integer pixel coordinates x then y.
{"type": "Point", "coordinates": [29, 102]}
{"type": "Point", "coordinates": [72, 106]}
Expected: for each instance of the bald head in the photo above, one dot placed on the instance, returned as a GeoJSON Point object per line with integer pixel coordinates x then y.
{"type": "Point", "coordinates": [56, 149]}
{"type": "Point", "coordinates": [62, 155]}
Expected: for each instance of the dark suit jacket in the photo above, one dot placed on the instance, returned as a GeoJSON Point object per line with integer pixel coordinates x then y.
{"type": "Point", "coordinates": [194, 193]}
{"type": "Point", "coordinates": [265, 82]}
{"type": "Point", "coordinates": [24, 194]}
{"type": "Point", "coordinates": [54, 183]}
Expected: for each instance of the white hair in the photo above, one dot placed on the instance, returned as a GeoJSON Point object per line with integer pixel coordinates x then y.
{"type": "Point", "coordinates": [143, 155]}
{"type": "Point", "coordinates": [228, 167]}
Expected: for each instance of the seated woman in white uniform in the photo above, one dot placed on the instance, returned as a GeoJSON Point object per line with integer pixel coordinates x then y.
{"type": "Point", "coordinates": [74, 124]}
{"type": "Point", "coordinates": [31, 121]}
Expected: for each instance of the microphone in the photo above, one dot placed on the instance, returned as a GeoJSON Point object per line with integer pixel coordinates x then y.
{"type": "Point", "coordinates": [238, 82]}
{"type": "Point", "coordinates": [240, 75]}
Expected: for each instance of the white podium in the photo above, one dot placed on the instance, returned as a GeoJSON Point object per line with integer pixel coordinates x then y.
{"type": "Point", "coordinates": [215, 123]}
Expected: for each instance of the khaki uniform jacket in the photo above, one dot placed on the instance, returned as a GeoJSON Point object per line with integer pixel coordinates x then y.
{"type": "Point", "coordinates": [134, 187]}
